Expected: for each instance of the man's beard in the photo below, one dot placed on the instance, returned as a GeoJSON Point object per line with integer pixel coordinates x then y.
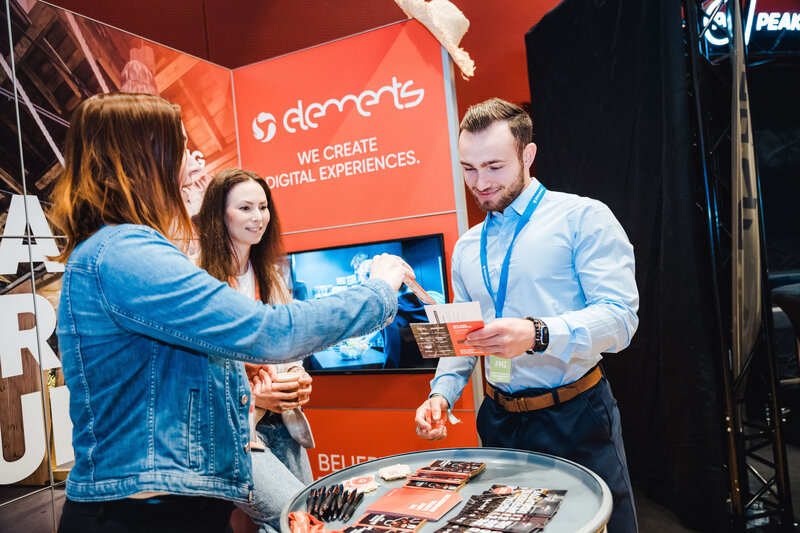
{"type": "Point", "coordinates": [512, 191]}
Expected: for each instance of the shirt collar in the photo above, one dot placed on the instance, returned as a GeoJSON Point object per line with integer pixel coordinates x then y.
{"type": "Point", "coordinates": [520, 202]}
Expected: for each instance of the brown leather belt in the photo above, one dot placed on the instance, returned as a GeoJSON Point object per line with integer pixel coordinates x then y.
{"type": "Point", "coordinates": [557, 395]}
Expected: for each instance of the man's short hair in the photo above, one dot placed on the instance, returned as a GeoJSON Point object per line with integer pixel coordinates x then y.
{"type": "Point", "coordinates": [482, 115]}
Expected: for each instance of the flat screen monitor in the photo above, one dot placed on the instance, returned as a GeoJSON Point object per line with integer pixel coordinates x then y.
{"type": "Point", "coordinates": [321, 272]}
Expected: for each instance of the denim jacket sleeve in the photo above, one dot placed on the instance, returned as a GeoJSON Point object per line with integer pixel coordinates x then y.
{"type": "Point", "coordinates": [149, 287]}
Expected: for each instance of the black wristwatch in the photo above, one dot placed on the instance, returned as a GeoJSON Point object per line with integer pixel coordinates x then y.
{"type": "Point", "coordinates": [541, 336]}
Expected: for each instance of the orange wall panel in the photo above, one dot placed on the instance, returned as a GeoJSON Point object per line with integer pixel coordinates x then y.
{"type": "Point", "coordinates": [378, 391]}
{"type": "Point", "coordinates": [345, 437]}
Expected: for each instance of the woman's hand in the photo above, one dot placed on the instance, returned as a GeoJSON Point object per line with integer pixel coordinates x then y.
{"type": "Point", "coordinates": [304, 390]}
{"type": "Point", "coordinates": [279, 396]}
{"type": "Point", "coordinates": [391, 269]}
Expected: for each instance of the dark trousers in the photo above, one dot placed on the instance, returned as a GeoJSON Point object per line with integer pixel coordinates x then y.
{"type": "Point", "coordinates": [585, 430]}
{"type": "Point", "coordinates": [170, 514]}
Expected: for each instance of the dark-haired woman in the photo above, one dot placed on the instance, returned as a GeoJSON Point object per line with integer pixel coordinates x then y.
{"type": "Point", "coordinates": [151, 345]}
{"type": "Point", "coordinates": [240, 243]}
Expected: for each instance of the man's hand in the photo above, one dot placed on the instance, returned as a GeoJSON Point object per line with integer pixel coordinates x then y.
{"type": "Point", "coordinates": [430, 418]}
{"type": "Point", "coordinates": [504, 337]}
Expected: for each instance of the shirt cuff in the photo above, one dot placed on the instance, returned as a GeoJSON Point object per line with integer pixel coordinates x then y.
{"type": "Point", "coordinates": [449, 389]}
{"type": "Point", "coordinates": [560, 336]}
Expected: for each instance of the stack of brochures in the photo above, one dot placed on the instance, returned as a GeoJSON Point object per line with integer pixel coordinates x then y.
{"type": "Point", "coordinates": [428, 494]}
{"type": "Point", "coordinates": [385, 523]}
{"type": "Point", "coordinates": [445, 475]}
{"type": "Point", "coordinates": [507, 510]}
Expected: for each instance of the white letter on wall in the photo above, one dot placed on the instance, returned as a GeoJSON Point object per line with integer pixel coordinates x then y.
{"type": "Point", "coordinates": [15, 251]}
{"type": "Point", "coordinates": [33, 429]}
{"type": "Point", "coordinates": [12, 340]}
{"type": "Point", "coordinates": [62, 425]}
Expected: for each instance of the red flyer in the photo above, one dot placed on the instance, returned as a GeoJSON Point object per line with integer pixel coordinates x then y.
{"type": "Point", "coordinates": [431, 504]}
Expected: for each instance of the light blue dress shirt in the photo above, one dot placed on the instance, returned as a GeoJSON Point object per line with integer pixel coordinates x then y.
{"type": "Point", "coordinates": [572, 266]}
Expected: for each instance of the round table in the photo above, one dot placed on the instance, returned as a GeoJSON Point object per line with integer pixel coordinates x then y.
{"type": "Point", "coordinates": [585, 509]}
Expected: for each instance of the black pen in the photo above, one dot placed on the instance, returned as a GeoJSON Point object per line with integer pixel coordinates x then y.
{"type": "Point", "coordinates": [337, 496]}
{"type": "Point", "coordinates": [318, 502]}
{"type": "Point", "coordinates": [350, 499]}
{"type": "Point", "coordinates": [310, 500]}
{"type": "Point", "coordinates": [353, 506]}
{"type": "Point", "coordinates": [336, 505]}
{"type": "Point", "coordinates": [340, 504]}
{"type": "Point", "coordinates": [326, 503]}
{"type": "Point", "coordinates": [329, 503]}
{"type": "Point", "coordinates": [348, 503]}
{"type": "Point", "coordinates": [351, 509]}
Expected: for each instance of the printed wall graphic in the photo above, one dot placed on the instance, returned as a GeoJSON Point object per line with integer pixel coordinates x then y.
{"type": "Point", "coordinates": [60, 60]}
{"type": "Point", "coordinates": [360, 134]}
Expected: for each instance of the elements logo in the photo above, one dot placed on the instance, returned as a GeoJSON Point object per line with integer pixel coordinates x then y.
{"type": "Point", "coordinates": [307, 117]}
{"type": "Point", "coordinates": [258, 133]}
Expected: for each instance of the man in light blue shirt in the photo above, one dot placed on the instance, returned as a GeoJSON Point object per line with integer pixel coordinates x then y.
{"type": "Point", "coordinates": [554, 274]}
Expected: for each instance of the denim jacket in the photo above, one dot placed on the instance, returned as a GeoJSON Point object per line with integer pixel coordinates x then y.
{"type": "Point", "coordinates": [151, 348]}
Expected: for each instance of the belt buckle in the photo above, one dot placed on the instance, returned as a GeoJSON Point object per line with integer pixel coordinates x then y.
{"type": "Point", "coordinates": [520, 405]}
{"type": "Point", "coordinates": [503, 400]}
{"type": "Point", "coordinates": [512, 404]}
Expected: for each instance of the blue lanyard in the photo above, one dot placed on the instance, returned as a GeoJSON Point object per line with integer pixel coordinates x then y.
{"type": "Point", "coordinates": [500, 299]}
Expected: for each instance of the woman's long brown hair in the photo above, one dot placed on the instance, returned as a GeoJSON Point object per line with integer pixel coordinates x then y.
{"type": "Point", "coordinates": [122, 164]}
{"type": "Point", "coordinates": [267, 257]}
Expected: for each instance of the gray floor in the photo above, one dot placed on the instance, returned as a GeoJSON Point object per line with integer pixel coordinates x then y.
{"type": "Point", "coordinates": [654, 518]}
{"type": "Point", "coordinates": [658, 519]}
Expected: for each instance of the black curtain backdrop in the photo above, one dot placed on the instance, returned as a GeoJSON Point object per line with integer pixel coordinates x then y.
{"type": "Point", "coordinates": [611, 120]}
{"type": "Point", "coordinates": [773, 87]}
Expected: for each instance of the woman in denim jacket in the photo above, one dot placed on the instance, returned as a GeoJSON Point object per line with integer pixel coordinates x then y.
{"type": "Point", "coordinates": [240, 242]}
{"type": "Point", "coordinates": [151, 345]}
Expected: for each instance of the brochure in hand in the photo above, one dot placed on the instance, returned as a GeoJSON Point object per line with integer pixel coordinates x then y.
{"type": "Point", "coordinates": [446, 333]}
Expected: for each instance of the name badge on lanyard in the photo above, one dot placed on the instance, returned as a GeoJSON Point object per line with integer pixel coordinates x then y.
{"type": "Point", "coordinates": [500, 368]}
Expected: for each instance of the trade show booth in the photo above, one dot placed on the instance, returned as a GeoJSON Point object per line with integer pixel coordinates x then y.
{"type": "Point", "coordinates": [356, 139]}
